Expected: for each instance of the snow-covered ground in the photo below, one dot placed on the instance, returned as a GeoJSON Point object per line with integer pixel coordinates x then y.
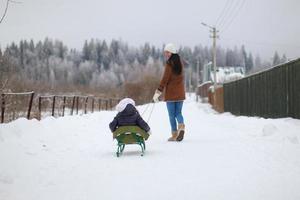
{"type": "Point", "coordinates": [221, 157]}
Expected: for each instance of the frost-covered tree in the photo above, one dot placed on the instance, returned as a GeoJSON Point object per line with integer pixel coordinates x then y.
{"type": "Point", "coordinates": [107, 64]}
{"type": "Point", "coordinates": [257, 62]}
{"type": "Point", "coordinates": [283, 58]}
{"type": "Point", "coordinates": [86, 51]}
{"type": "Point", "coordinates": [276, 58]}
{"type": "Point", "coordinates": [230, 58]}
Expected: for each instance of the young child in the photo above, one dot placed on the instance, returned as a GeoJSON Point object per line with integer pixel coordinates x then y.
{"type": "Point", "coordinates": [127, 116]}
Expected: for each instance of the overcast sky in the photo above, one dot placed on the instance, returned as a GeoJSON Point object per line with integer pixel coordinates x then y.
{"type": "Point", "coordinates": [262, 25]}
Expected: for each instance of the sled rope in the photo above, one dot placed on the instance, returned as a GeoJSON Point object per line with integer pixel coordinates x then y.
{"type": "Point", "coordinates": [145, 109]}
{"type": "Point", "coordinates": [151, 110]}
{"type": "Point", "coordinates": [151, 113]}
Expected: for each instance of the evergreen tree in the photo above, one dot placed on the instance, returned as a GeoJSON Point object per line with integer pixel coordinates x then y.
{"type": "Point", "coordinates": [105, 55]}
{"type": "Point", "coordinates": [31, 46]}
{"type": "Point", "coordinates": [86, 51]}
{"type": "Point", "coordinates": [145, 53]}
{"type": "Point", "coordinates": [99, 54]}
{"type": "Point", "coordinates": [114, 50]}
{"type": "Point", "coordinates": [230, 61]}
{"type": "Point", "coordinates": [92, 47]}
{"type": "Point", "coordinates": [61, 49]}
{"type": "Point", "coordinates": [276, 58]}
{"type": "Point", "coordinates": [283, 59]}
{"type": "Point", "coordinates": [22, 54]}
{"type": "Point", "coordinates": [48, 48]}
{"type": "Point", "coordinates": [244, 56]}
{"type": "Point", "coordinates": [249, 63]}
{"type": "Point", "coordinates": [257, 62]}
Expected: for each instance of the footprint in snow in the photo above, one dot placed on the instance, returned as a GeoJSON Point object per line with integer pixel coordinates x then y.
{"type": "Point", "coordinates": [293, 139]}
{"type": "Point", "coordinates": [6, 179]}
{"type": "Point", "coordinates": [269, 130]}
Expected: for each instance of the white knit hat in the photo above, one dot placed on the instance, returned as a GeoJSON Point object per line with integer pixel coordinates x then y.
{"type": "Point", "coordinates": [123, 103]}
{"type": "Point", "coordinates": [170, 48]}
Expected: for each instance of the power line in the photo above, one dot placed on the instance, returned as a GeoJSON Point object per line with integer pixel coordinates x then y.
{"type": "Point", "coordinates": [261, 43]}
{"type": "Point", "coordinates": [12, 1]}
{"type": "Point", "coordinates": [223, 11]}
{"type": "Point", "coordinates": [231, 13]}
{"type": "Point", "coordinates": [226, 26]}
{"type": "Point", "coordinates": [6, 8]}
{"type": "Point", "coordinates": [228, 13]}
{"type": "Point", "coordinates": [5, 11]}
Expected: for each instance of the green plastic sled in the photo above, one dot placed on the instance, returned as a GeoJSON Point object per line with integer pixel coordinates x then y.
{"type": "Point", "coordinates": [130, 135]}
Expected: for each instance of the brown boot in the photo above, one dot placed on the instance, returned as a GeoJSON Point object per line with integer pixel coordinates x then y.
{"type": "Point", "coordinates": [173, 137]}
{"type": "Point", "coordinates": [181, 131]}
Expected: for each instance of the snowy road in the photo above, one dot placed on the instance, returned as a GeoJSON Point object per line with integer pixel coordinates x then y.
{"type": "Point", "coordinates": [222, 157]}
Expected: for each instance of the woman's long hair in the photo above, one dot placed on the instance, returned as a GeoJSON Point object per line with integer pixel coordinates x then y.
{"type": "Point", "coordinates": [176, 64]}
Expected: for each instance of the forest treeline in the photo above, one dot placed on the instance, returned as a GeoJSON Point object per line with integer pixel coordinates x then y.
{"type": "Point", "coordinates": [102, 66]}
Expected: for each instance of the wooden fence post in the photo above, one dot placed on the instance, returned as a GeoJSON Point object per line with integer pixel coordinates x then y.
{"type": "Point", "coordinates": [77, 104]}
{"type": "Point", "coordinates": [40, 107]}
{"type": "Point", "coordinates": [53, 106]}
{"type": "Point", "coordinates": [100, 102]}
{"type": "Point", "coordinates": [85, 104]}
{"type": "Point", "coordinates": [73, 105]}
{"type": "Point", "coordinates": [30, 105]}
{"type": "Point", "coordinates": [64, 105]}
{"type": "Point", "coordinates": [93, 104]}
{"type": "Point", "coordinates": [2, 107]}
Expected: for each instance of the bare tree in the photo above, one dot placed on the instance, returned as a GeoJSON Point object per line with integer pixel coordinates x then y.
{"type": "Point", "coordinates": [3, 85]}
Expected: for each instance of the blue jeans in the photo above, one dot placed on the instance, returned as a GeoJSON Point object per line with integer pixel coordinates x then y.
{"type": "Point", "coordinates": [174, 110]}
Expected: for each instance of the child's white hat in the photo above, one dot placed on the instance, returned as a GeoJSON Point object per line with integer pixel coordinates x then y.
{"type": "Point", "coordinates": [123, 103]}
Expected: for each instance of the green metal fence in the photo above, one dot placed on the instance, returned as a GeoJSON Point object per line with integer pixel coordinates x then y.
{"type": "Point", "coordinates": [273, 93]}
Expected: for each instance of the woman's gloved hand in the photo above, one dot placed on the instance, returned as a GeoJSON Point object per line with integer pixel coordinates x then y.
{"type": "Point", "coordinates": [156, 96]}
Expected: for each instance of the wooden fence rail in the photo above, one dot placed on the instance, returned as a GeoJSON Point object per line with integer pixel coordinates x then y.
{"type": "Point", "coordinates": [58, 104]}
{"type": "Point", "coordinates": [4, 103]}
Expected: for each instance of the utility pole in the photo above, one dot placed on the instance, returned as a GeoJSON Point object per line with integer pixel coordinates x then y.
{"type": "Point", "coordinates": [214, 36]}
{"type": "Point", "coordinates": [190, 80]}
{"type": "Point", "coordinates": [197, 82]}
{"type": "Point", "coordinates": [198, 71]}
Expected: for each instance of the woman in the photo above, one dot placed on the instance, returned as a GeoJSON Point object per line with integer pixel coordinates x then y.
{"type": "Point", "coordinates": [172, 83]}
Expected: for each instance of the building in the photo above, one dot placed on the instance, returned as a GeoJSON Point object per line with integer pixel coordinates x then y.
{"type": "Point", "coordinates": [223, 74]}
